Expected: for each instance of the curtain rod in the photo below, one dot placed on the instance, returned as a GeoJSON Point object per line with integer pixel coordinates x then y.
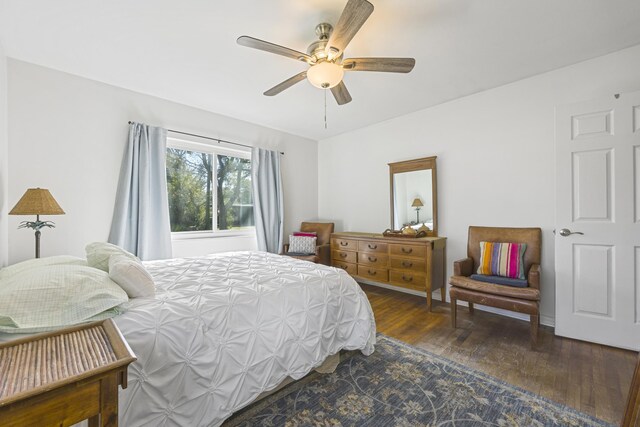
{"type": "Point", "coordinates": [218, 140]}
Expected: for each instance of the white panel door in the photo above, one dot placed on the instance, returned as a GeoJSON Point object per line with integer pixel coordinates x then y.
{"type": "Point", "coordinates": [597, 241]}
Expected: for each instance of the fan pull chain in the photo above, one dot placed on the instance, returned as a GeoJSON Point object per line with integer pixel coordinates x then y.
{"type": "Point", "coordinates": [325, 108]}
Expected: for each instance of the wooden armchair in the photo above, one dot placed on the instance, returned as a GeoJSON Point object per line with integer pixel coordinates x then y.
{"type": "Point", "coordinates": [520, 299]}
{"type": "Point", "coordinates": [323, 244]}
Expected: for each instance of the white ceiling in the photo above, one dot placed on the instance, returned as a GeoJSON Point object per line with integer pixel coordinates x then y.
{"type": "Point", "coordinates": [186, 50]}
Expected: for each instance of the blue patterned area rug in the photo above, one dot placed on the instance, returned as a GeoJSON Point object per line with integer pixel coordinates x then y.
{"type": "Point", "coordinates": [401, 385]}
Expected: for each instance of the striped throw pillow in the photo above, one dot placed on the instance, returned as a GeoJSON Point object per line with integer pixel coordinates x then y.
{"type": "Point", "coordinates": [502, 259]}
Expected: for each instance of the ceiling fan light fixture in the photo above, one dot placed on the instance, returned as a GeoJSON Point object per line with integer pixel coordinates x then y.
{"type": "Point", "coordinates": [325, 75]}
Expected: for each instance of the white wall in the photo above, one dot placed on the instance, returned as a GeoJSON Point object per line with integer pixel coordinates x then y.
{"type": "Point", "coordinates": [495, 157]}
{"type": "Point", "coordinates": [4, 154]}
{"type": "Point", "coordinates": [68, 135]}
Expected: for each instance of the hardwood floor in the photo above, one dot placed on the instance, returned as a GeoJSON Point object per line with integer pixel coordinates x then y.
{"type": "Point", "coordinates": [589, 377]}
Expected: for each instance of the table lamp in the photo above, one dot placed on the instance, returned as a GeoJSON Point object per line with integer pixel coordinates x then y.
{"type": "Point", "coordinates": [417, 203]}
{"type": "Point", "coordinates": [37, 201]}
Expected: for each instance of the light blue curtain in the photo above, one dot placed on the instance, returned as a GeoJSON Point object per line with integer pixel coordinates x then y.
{"type": "Point", "coordinates": [141, 215]}
{"type": "Point", "coordinates": [268, 206]}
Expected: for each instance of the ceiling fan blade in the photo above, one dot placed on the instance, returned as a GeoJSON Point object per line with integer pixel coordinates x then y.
{"type": "Point", "coordinates": [353, 16]}
{"type": "Point", "coordinates": [273, 48]}
{"type": "Point", "coordinates": [286, 84]}
{"type": "Point", "coordinates": [341, 94]}
{"type": "Point", "coordinates": [386, 65]}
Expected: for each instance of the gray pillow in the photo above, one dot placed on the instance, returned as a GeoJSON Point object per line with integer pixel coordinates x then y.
{"type": "Point", "coordinates": [302, 244]}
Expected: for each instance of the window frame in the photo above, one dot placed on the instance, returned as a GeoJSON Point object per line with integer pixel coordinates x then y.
{"type": "Point", "coordinates": [189, 144]}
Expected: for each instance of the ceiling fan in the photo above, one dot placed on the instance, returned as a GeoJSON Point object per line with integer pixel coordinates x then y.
{"type": "Point", "coordinates": [325, 56]}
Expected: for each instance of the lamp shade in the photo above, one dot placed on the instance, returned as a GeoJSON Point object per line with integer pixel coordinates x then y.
{"type": "Point", "coordinates": [37, 201]}
{"type": "Point", "coordinates": [417, 203]}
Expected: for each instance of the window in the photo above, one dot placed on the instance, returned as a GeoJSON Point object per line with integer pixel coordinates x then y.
{"type": "Point", "coordinates": [209, 188]}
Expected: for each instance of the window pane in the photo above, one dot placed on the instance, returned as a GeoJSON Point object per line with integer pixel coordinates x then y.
{"type": "Point", "coordinates": [235, 204]}
{"type": "Point", "coordinates": [189, 184]}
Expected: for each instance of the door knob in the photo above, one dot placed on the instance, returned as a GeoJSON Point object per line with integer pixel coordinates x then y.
{"type": "Point", "coordinates": [566, 232]}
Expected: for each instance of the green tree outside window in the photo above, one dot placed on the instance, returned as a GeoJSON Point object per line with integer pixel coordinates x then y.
{"type": "Point", "coordinates": [195, 198]}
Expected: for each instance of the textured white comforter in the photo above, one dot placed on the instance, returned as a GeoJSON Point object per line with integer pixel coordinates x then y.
{"type": "Point", "coordinates": [224, 328]}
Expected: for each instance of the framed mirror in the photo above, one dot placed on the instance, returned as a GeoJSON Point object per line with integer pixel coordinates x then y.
{"type": "Point", "coordinates": [414, 194]}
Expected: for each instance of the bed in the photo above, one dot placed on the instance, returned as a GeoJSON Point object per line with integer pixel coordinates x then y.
{"type": "Point", "coordinates": [224, 329]}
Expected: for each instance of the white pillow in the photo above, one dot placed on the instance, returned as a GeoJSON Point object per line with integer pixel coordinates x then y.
{"type": "Point", "coordinates": [98, 254]}
{"type": "Point", "coordinates": [131, 276]}
{"type": "Point", "coordinates": [302, 244]}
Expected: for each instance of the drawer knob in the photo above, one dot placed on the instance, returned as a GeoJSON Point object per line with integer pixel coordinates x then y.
{"type": "Point", "coordinates": [372, 259]}
{"type": "Point", "coordinates": [344, 243]}
{"type": "Point", "coordinates": [373, 273]}
{"type": "Point", "coordinates": [343, 254]}
{"type": "Point", "coordinates": [407, 264]}
{"type": "Point", "coordinates": [344, 267]}
{"type": "Point", "coordinates": [407, 279]}
{"type": "Point", "coordinates": [370, 246]}
{"type": "Point", "coordinates": [407, 250]}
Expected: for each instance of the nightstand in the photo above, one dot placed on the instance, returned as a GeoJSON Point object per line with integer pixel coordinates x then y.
{"type": "Point", "coordinates": [63, 377]}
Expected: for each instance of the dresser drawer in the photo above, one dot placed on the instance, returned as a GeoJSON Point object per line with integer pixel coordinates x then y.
{"type": "Point", "coordinates": [344, 256]}
{"type": "Point", "coordinates": [408, 264]}
{"type": "Point", "coordinates": [352, 269]}
{"type": "Point", "coordinates": [372, 246]}
{"type": "Point", "coordinates": [377, 274]}
{"type": "Point", "coordinates": [373, 259]}
{"type": "Point", "coordinates": [344, 244]}
{"type": "Point", "coordinates": [408, 279]}
{"type": "Point", "coordinates": [400, 249]}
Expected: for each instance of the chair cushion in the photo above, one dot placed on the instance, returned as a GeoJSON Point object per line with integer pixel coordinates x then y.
{"type": "Point", "coordinates": [502, 259]}
{"type": "Point", "coordinates": [302, 244]}
{"type": "Point", "coordinates": [491, 288]}
{"type": "Point", "coordinates": [518, 283]}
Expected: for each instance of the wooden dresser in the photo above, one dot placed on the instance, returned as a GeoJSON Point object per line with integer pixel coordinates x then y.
{"type": "Point", "coordinates": [414, 265]}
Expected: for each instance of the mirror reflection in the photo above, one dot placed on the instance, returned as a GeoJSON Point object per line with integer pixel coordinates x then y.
{"type": "Point", "coordinates": [412, 199]}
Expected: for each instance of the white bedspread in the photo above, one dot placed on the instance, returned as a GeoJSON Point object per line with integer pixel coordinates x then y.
{"type": "Point", "coordinates": [224, 328]}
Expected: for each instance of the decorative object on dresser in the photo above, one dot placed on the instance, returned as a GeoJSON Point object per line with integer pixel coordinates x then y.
{"type": "Point", "coordinates": [37, 201]}
{"type": "Point", "coordinates": [406, 232]}
{"type": "Point", "coordinates": [322, 253]}
{"type": "Point", "coordinates": [414, 185]}
{"type": "Point", "coordinates": [522, 296]}
{"type": "Point", "coordinates": [64, 377]}
{"type": "Point", "coordinates": [416, 265]}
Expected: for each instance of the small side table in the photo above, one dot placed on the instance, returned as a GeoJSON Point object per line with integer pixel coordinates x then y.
{"type": "Point", "coordinates": [63, 377]}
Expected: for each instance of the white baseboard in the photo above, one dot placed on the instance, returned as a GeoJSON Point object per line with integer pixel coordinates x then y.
{"type": "Point", "coordinates": [544, 319]}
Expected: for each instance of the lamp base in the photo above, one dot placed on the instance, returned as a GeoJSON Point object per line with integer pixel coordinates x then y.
{"type": "Point", "coordinates": [38, 243]}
